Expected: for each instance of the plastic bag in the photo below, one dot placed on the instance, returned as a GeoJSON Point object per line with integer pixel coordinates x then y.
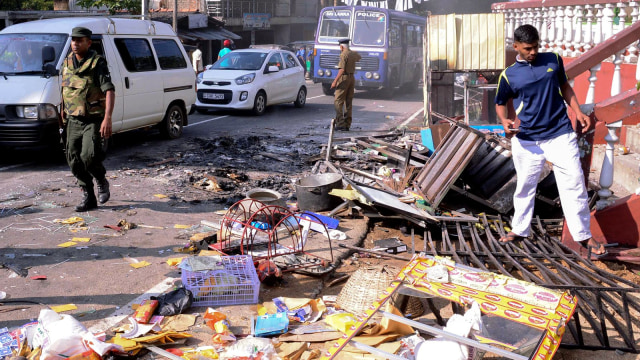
{"type": "Point", "coordinates": [60, 336]}
{"type": "Point", "coordinates": [450, 349]}
{"type": "Point", "coordinates": [174, 302]}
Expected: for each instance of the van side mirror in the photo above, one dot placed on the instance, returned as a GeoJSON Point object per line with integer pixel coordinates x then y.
{"type": "Point", "coordinates": [48, 54]}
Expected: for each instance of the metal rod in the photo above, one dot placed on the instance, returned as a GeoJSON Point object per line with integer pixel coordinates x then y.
{"type": "Point", "coordinates": [375, 351]}
{"type": "Point", "coordinates": [330, 144]}
{"type": "Point", "coordinates": [456, 338]}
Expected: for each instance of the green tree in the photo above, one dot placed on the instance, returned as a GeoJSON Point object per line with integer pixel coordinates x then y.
{"type": "Point", "coordinates": [132, 6]}
{"type": "Point", "coordinates": [26, 5]}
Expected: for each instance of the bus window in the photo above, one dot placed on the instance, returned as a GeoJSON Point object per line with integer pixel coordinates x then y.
{"type": "Point", "coordinates": [419, 35]}
{"type": "Point", "coordinates": [369, 28]}
{"type": "Point", "coordinates": [334, 25]}
{"type": "Point", "coordinates": [411, 36]}
{"type": "Point", "coordinates": [395, 39]}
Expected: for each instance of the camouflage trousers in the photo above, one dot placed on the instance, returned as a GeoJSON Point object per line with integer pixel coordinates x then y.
{"type": "Point", "coordinates": [84, 150]}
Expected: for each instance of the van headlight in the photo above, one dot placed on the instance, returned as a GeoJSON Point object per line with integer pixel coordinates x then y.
{"type": "Point", "coordinates": [367, 75]}
{"type": "Point", "coordinates": [27, 112]}
{"type": "Point", "coordinates": [245, 79]}
{"type": "Point", "coordinates": [199, 77]}
{"type": "Point", "coordinates": [376, 76]}
{"type": "Point", "coordinates": [47, 111]}
{"type": "Point", "coordinates": [320, 72]}
{"type": "Point", "coordinates": [327, 72]}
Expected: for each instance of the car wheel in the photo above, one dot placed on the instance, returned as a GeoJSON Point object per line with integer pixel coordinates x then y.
{"type": "Point", "coordinates": [327, 90]}
{"type": "Point", "coordinates": [260, 103]}
{"type": "Point", "coordinates": [171, 125]}
{"type": "Point", "coordinates": [301, 99]}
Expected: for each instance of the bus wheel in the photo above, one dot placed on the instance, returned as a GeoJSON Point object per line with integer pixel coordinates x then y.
{"type": "Point", "coordinates": [327, 90]}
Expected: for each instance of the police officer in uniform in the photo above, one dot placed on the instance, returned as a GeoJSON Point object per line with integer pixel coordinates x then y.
{"type": "Point", "coordinates": [87, 96]}
{"type": "Point", "coordinates": [344, 83]}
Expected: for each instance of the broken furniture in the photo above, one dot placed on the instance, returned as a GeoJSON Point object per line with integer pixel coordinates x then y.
{"type": "Point", "coordinates": [270, 232]}
{"type": "Point", "coordinates": [533, 313]}
{"type": "Point", "coordinates": [478, 166]}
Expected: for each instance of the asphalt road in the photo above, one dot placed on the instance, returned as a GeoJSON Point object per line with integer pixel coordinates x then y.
{"type": "Point", "coordinates": [96, 276]}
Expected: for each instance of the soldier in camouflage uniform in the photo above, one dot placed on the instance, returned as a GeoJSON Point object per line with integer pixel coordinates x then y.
{"type": "Point", "coordinates": [345, 83]}
{"type": "Point", "coordinates": [87, 96]}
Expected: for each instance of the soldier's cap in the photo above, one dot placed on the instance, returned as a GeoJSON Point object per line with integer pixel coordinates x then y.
{"type": "Point", "coordinates": [80, 32]}
{"type": "Point", "coordinates": [344, 41]}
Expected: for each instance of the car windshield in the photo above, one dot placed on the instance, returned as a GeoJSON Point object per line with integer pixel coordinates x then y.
{"type": "Point", "coordinates": [236, 60]}
{"type": "Point", "coordinates": [21, 54]}
{"type": "Point", "coordinates": [369, 28]}
{"type": "Point", "coordinates": [334, 25]}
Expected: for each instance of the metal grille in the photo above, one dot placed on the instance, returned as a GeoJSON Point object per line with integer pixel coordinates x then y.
{"type": "Point", "coordinates": [329, 61]}
{"type": "Point", "coordinates": [20, 134]}
{"type": "Point", "coordinates": [228, 95]}
{"type": "Point", "coordinates": [367, 63]}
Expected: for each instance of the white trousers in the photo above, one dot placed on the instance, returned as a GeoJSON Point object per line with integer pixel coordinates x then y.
{"type": "Point", "coordinates": [529, 158]}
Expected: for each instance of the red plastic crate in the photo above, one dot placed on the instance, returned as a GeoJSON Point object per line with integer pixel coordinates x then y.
{"type": "Point", "coordinates": [237, 284]}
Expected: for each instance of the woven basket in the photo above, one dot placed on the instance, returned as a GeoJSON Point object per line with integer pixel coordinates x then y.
{"type": "Point", "coordinates": [364, 287]}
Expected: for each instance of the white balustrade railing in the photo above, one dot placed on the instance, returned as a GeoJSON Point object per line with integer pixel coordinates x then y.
{"type": "Point", "coordinates": [570, 28]}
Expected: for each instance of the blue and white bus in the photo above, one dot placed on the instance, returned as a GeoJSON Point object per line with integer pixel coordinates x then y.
{"type": "Point", "coordinates": [389, 41]}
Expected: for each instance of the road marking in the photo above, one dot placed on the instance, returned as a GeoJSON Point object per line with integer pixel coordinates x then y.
{"type": "Point", "coordinates": [9, 167]}
{"type": "Point", "coordinates": [126, 311]}
{"type": "Point", "coordinates": [315, 97]}
{"type": "Point", "coordinates": [412, 117]}
{"type": "Point", "coordinates": [208, 120]}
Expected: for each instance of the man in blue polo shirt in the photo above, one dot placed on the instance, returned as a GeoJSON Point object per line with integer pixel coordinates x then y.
{"type": "Point", "coordinates": [539, 88]}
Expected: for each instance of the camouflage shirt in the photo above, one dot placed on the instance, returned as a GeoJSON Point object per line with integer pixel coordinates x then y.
{"type": "Point", "coordinates": [84, 83]}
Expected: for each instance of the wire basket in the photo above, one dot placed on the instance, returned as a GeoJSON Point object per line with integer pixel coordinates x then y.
{"type": "Point", "coordinates": [236, 284]}
{"type": "Point", "coordinates": [364, 287]}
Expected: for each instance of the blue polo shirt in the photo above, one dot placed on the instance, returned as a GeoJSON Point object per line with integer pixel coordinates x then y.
{"type": "Point", "coordinates": [537, 98]}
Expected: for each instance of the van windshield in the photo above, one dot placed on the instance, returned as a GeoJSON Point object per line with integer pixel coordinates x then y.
{"type": "Point", "coordinates": [21, 54]}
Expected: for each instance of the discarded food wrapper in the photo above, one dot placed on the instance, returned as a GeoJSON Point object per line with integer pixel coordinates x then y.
{"type": "Point", "coordinates": [137, 329]}
{"type": "Point", "coordinates": [272, 324]}
{"type": "Point", "coordinates": [81, 239]}
{"type": "Point", "coordinates": [145, 311]}
{"type": "Point", "coordinates": [250, 348]}
{"type": "Point", "coordinates": [160, 196]}
{"type": "Point", "coordinates": [125, 225]}
{"type": "Point", "coordinates": [140, 264]}
{"type": "Point", "coordinates": [62, 308]}
{"type": "Point", "coordinates": [341, 321]}
{"type": "Point", "coordinates": [223, 333]}
{"type": "Point", "coordinates": [438, 273]}
{"type": "Point", "coordinates": [69, 221]}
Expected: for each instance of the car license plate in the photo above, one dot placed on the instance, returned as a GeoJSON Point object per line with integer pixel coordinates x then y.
{"type": "Point", "coordinates": [212, 96]}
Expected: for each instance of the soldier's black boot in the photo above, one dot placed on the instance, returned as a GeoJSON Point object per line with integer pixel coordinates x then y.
{"type": "Point", "coordinates": [88, 200]}
{"type": "Point", "coordinates": [103, 191]}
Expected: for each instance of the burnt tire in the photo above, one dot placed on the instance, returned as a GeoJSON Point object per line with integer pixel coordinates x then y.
{"type": "Point", "coordinates": [171, 125]}
{"type": "Point", "coordinates": [301, 98]}
{"type": "Point", "coordinates": [260, 103]}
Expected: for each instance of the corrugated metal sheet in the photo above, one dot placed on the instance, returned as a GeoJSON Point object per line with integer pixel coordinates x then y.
{"type": "Point", "coordinates": [466, 42]}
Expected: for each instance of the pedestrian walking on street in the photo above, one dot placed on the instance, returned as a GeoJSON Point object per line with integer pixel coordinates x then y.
{"type": "Point", "coordinates": [226, 49]}
{"type": "Point", "coordinates": [87, 101]}
{"type": "Point", "coordinates": [344, 83]}
{"type": "Point", "coordinates": [539, 87]}
{"type": "Point", "coordinates": [198, 67]}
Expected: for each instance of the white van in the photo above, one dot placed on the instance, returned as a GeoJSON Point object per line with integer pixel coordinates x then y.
{"type": "Point", "coordinates": [153, 78]}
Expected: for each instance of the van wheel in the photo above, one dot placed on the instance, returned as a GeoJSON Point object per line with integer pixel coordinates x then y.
{"type": "Point", "coordinates": [171, 125]}
{"type": "Point", "coordinates": [301, 99]}
{"type": "Point", "coordinates": [327, 90]}
{"type": "Point", "coordinates": [260, 103]}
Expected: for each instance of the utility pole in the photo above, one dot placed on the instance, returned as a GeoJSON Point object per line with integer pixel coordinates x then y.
{"type": "Point", "coordinates": [175, 16]}
{"type": "Point", "coordinates": [144, 9]}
